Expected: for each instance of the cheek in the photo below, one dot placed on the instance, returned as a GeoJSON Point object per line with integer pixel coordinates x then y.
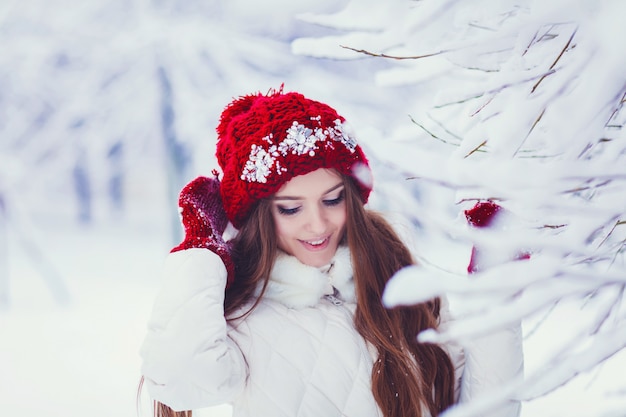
{"type": "Point", "coordinates": [338, 219]}
{"type": "Point", "coordinates": [341, 218]}
{"type": "Point", "coordinates": [283, 229]}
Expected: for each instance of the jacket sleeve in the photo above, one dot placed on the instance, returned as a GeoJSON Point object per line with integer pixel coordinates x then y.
{"type": "Point", "coordinates": [491, 361]}
{"type": "Point", "coordinates": [484, 365]}
{"type": "Point", "coordinates": [453, 349]}
{"type": "Point", "coordinates": [188, 360]}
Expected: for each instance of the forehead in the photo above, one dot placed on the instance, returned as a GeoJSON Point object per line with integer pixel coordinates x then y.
{"type": "Point", "coordinates": [316, 182]}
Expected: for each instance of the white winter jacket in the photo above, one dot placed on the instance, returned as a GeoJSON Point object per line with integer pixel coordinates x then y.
{"type": "Point", "coordinates": [296, 355]}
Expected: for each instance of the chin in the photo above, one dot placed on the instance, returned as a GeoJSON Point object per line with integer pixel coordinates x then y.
{"type": "Point", "coordinates": [317, 263]}
{"type": "Point", "coordinates": [317, 260]}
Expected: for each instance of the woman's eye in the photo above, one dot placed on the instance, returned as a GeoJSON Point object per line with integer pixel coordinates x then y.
{"type": "Point", "coordinates": [334, 201]}
{"type": "Point", "coordinates": [288, 211]}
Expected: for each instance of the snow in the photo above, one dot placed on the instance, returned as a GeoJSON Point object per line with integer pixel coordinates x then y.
{"type": "Point", "coordinates": [78, 356]}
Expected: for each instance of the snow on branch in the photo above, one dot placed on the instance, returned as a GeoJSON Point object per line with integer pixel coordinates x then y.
{"type": "Point", "coordinates": [526, 103]}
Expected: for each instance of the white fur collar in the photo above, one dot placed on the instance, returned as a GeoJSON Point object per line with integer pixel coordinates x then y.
{"type": "Point", "coordinates": [297, 285]}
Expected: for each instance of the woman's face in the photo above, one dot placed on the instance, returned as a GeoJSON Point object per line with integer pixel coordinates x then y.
{"type": "Point", "coordinates": [310, 216]}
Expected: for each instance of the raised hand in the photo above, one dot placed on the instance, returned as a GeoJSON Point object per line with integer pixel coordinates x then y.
{"type": "Point", "coordinates": [204, 220]}
{"type": "Point", "coordinates": [486, 214]}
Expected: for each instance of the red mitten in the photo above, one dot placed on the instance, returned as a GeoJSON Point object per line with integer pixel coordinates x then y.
{"type": "Point", "coordinates": [204, 220]}
{"type": "Point", "coordinates": [485, 214]}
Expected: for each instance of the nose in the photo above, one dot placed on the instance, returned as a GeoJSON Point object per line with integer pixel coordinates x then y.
{"type": "Point", "coordinates": [316, 221]}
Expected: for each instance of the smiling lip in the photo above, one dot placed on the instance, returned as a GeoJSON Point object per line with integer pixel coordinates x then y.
{"type": "Point", "coordinates": [317, 244]}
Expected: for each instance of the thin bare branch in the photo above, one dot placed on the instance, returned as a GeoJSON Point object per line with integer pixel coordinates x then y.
{"type": "Point", "coordinates": [563, 50]}
{"type": "Point", "coordinates": [616, 111]}
{"type": "Point", "coordinates": [497, 89]}
{"type": "Point", "coordinates": [535, 123]}
{"type": "Point", "coordinates": [608, 235]}
{"type": "Point", "coordinates": [381, 55]}
{"type": "Point", "coordinates": [476, 149]}
{"type": "Point", "coordinates": [431, 134]}
{"type": "Point", "coordinates": [445, 129]}
{"type": "Point", "coordinates": [482, 106]}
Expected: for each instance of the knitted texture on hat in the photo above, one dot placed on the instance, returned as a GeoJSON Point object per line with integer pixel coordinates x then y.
{"type": "Point", "coordinates": [265, 140]}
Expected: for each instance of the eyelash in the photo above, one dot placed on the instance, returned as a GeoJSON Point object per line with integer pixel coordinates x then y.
{"type": "Point", "coordinates": [334, 201]}
{"type": "Point", "coordinates": [288, 211]}
{"type": "Point", "coordinates": [327, 203]}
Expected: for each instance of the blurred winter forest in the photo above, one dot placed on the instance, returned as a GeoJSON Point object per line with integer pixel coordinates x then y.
{"type": "Point", "coordinates": [107, 108]}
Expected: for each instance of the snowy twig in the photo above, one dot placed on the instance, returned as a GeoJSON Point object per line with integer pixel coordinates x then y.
{"type": "Point", "coordinates": [396, 57]}
{"type": "Point", "coordinates": [559, 56]}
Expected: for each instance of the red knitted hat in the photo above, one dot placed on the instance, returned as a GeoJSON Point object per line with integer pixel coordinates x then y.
{"type": "Point", "coordinates": [265, 140]}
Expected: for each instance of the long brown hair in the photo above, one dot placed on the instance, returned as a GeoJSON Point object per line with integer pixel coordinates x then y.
{"type": "Point", "coordinates": [402, 384]}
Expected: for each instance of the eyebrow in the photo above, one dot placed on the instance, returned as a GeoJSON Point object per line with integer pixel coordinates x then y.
{"type": "Point", "coordinates": [288, 197]}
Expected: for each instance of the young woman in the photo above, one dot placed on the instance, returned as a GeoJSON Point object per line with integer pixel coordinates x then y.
{"type": "Point", "coordinates": [286, 319]}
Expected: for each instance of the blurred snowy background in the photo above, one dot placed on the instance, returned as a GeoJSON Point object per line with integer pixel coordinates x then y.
{"type": "Point", "coordinates": [107, 108]}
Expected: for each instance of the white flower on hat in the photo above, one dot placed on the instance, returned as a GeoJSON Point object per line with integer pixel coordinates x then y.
{"type": "Point", "coordinates": [300, 140]}
{"type": "Point", "coordinates": [259, 164]}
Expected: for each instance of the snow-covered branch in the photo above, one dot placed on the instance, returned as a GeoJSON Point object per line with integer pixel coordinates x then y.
{"type": "Point", "coordinates": [523, 104]}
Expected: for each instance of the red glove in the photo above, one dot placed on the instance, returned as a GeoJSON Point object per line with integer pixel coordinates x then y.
{"type": "Point", "coordinates": [204, 220]}
{"type": "Point", "coordinates": [483, 214]}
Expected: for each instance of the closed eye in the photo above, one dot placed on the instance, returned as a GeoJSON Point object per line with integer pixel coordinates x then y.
{"type": "Point", "coordinates": [288, 211]}
{"type": "Point", "coordinates": [334, 201]}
